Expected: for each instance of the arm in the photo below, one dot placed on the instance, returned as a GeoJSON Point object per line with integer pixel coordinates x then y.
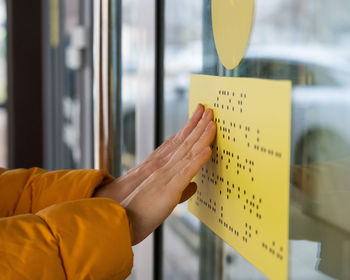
{"type": "Point", "coordinates": [28, 191]}
{"type": "Point", "coordinates": [84, 239]}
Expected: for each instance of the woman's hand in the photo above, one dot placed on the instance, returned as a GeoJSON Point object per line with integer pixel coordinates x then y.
{"type": "Point", "coordinates": [150, 192]}
{"type": "Point", "coordinates": [123, 186]}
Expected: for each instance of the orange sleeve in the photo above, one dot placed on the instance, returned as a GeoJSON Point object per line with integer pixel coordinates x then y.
{"type": "Point", "coordinates": [30, 190]}
{"type": "Point", "coordinates": [82, 239]}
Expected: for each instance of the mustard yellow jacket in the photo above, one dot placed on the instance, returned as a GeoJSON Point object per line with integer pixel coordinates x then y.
{"type": "Point", "coordinates": [51, 228]}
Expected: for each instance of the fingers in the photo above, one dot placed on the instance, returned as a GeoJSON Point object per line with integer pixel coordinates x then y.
{"type": "Point", "coordinates": [166, 150]}
{"type": "Point", "coordinates": [191, 124]}
{"type": "Point", "coordinates": [206, 138]}
{"type": "Point", "coordinates": [179, 182]}
{"type": "Point", "coordinates": [193, 137]}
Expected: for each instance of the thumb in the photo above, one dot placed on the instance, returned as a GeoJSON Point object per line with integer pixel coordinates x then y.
{"type": "Point", "coordinates": [188, 192]}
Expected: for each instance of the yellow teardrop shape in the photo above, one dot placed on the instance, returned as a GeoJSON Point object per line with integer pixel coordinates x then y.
{"type": "Point", "coordinates": [232, 24]}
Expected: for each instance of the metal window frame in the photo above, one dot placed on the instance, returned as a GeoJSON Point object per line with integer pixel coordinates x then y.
{"type": "Point", "coordinates": [25, 90]}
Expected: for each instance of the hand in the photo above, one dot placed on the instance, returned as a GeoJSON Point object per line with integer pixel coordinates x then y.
{"type": "Point", "coordinates": [152, 190]}
{"type": "Point", "coordinates": [123, 186]}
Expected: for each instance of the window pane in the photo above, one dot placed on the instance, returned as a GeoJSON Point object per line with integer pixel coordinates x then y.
{"type": "Point", "coordinates": [183, 56]}
{"type": "Point", "coordinates": [305, 42]}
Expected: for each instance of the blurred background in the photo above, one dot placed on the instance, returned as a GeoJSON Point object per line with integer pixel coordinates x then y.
{"type": "Point", "coordinates": [100, 84]}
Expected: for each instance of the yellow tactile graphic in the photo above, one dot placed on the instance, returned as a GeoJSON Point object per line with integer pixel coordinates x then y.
{"type": "Point", "coordinates": [243, 191]}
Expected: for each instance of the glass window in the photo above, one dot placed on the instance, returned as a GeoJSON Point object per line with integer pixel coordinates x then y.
{"type": "Point", "coordinates": [183, 56]}
{"type": "Point", "coordinates": [302, 41]}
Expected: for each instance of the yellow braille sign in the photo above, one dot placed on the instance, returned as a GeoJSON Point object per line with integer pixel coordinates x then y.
{"type": "Point", "coordinates": [243, 191]}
